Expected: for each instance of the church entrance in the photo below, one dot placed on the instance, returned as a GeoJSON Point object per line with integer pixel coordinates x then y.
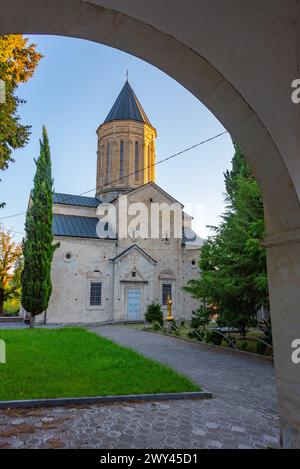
{"type": "Point", "coordinates": [134, 304]}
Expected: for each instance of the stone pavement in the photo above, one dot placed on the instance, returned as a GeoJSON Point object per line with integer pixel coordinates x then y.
{"type": "Point", "coordinates": [242, 413]}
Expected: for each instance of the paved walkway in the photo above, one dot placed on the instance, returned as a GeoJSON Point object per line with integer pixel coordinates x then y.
{"type": "Point", "coordinates": [241, 415]}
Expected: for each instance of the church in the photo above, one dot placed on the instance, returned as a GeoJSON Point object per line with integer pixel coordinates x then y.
{"type": "Point", "coordinates": [103, 276]}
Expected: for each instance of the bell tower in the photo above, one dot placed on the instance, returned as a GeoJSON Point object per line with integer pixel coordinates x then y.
{"type": "Point", "coordinates": [126, 147]}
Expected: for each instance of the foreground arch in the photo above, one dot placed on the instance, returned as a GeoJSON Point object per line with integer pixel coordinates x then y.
{"type": "Point", "coordinates": [239, 59]}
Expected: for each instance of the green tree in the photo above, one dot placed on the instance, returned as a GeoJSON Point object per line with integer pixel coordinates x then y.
{"type": "Point", "coordinates": [18, 61]}
{"type": "Point", "coordinates": [233, 262]}
{"type": "Point", "coordinates": [38, 246]}
{"type": "Point", "coordinates": [10, 265]}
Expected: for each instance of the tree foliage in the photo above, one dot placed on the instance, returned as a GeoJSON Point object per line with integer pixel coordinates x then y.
{"type": "Point", "coordinates": [18, 61]}
{"type": "Point", "coordinates": [10, 267]}
{"type": "Point", "coordinates": [38, 246]}
{"type": "Point", "coordinates": [233, 262]}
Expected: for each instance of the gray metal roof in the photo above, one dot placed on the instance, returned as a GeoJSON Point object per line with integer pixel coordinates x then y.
{"type": "Point", "coordinates": [79, 200]}
{"type": "Point", "coordinates": [127, 106]}
{"type": "Point", "coordinates": [74, 226]}
{"type": "Point", "coordinates": [191, 238]}
{"type": "Point", "coordinates": [85, 227]}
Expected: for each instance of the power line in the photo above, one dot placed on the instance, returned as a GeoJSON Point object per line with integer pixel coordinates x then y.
{"type": "Point", "coordinates": [10, 230]}
{"type": "Point", "coordinates": [13, 216]}
{"type": "Point", "coordinates": [157, 162]}
{"type": "Point", "coordinates": [163, 160]}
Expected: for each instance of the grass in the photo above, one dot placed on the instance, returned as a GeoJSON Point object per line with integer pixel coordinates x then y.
{"type": "Point", "coordinates": [72, 362]}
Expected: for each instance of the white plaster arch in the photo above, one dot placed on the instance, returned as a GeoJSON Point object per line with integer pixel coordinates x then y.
{"type": "Point", "coordinates": [239, 58]}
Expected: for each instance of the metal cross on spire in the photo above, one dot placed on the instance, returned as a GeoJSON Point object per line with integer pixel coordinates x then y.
{"type": "Point", "coordinates": [127, 73]}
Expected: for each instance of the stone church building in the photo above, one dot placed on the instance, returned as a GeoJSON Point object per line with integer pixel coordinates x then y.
{"type": "Point", "coordinates": [109, 278]}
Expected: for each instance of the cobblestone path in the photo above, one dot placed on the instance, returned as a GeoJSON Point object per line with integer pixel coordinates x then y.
{"type": "Point", "coordinates": [242, 413]}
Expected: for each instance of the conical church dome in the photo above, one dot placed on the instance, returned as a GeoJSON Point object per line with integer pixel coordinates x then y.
{"type": "Point", "coordinates": [127, 107]}
{"type": "Point", "coordinates": [126, 147]}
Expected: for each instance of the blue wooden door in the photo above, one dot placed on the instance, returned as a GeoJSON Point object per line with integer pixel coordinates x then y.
{"type": "Point", "coordinates": [134, 304]}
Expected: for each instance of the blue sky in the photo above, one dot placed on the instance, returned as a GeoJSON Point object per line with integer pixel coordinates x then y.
{"type": "Point", "coordinates": [71, 93]}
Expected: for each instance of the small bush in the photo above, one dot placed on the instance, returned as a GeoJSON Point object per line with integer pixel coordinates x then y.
{"type": "Point", "coordinates": [213, 337]}
{"type": "Point", "coordinates": [154, 314]}
{"type": "Point", "coordinates": [12, 307]}
{"type": "Point", "coordinates": [155, 326]}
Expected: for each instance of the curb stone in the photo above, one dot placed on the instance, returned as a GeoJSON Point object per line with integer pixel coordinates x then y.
{"type": "Point", "coordinates": [65, 401]}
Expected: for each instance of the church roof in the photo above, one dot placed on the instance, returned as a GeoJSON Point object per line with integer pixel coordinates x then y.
{"type": "Point", "coordinates": [75, 226]}
{"type": "Point", "coordinates": [127, 107]}
{"type": "Point", "coordinates": [79, 200]}
{"type": "Point", "coordinates": [190, 238]}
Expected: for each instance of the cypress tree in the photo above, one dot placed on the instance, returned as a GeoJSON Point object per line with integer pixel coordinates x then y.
{"type": "Point", "coordinates": [38, 245]}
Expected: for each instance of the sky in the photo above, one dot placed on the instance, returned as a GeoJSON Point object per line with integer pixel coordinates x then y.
{"type": "Point", "coordinates": [71, 93]}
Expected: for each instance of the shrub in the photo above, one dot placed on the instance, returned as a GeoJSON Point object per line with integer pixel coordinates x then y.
{"type": "Point", "coordinates": [200, 317]}
{"type": "Point", "coordinates": [154, 314]}
{"type": "Point", "coordinates": [197, 333]}
{"type": "Point", "coordinates": [213, 337]}
{"type": "Point", "coordinates": [12, 307]}
{"type": "Point", "coordinates": [156, 326]}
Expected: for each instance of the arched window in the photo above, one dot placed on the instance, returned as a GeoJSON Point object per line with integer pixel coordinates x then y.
{"type": "Point", "coordinates": [121, 158]}
{"type": "Point", "coordinates": [108, 161]}
{"type": "Point", "coordinates": [136, 160]}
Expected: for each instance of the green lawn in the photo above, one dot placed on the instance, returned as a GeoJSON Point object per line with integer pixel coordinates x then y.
{"type": "Point", "coordinates": [72, 362]}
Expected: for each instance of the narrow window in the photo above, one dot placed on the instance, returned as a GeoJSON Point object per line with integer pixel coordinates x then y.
{"type": "Point", "coordinates": [136, 160]}
{"type": "Point", "coordinates": [121, 158]}
{"type": "Point", "coordinates": [149, 164]}
{"type": "Point", "coordinates": [95, 293]}
{"type": "Point", "coordinates": [108, 161]}
{"type": "Point", "coordinates": [166, 291]}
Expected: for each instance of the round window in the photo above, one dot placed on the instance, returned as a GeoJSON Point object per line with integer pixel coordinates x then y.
{"type": "Point", "coordinates": [67, 256]}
